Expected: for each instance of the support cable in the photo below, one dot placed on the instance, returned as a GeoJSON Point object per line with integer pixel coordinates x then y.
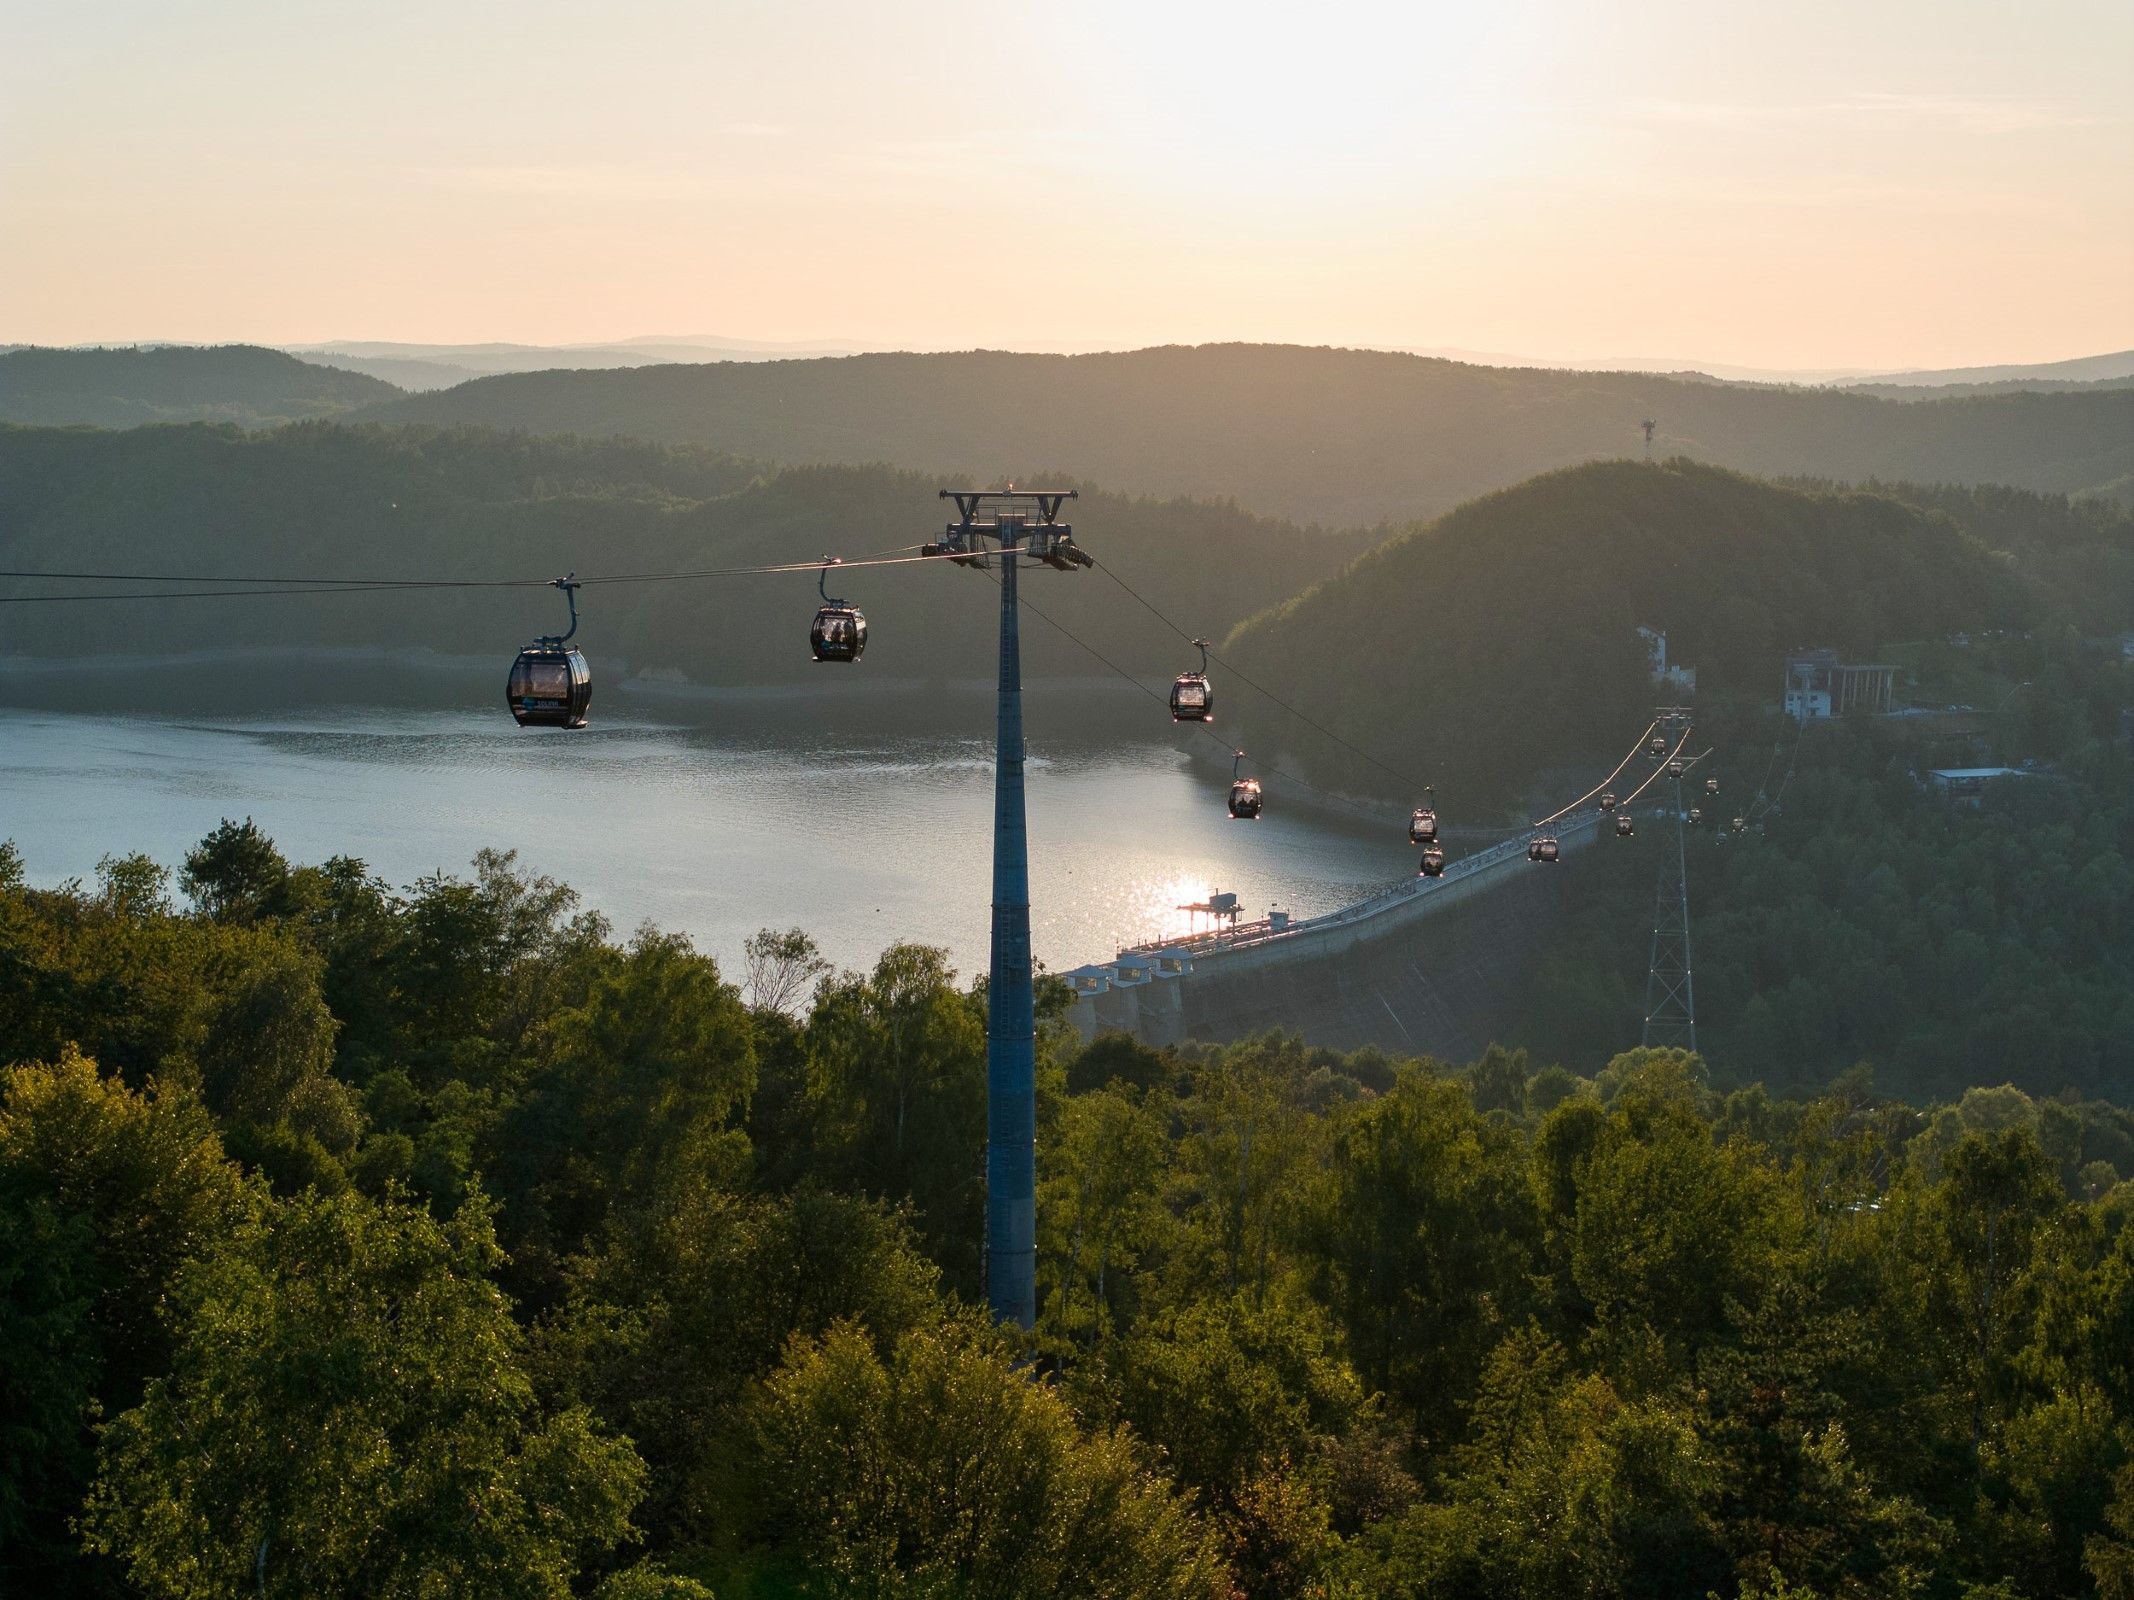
{"type": "Point", "coordinates": [1603, 784]}
{"type": "Point", "coordinates": [1230, 667]}
{"type": "Point", "coordinates": [318, 586]}
{"type": "Point", "coordinates": [1665, 762]}
{"type": "Point", "coordinates": [1340, 802]}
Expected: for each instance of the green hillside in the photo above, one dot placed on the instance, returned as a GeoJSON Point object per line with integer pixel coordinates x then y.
{"type": "Point", "coordinates": [327, 500]}
{"type": "Point", "coordinates": [2080, 548]}
{"type": "Point", "coordinates": [124, 388]}
{"type": "Point", "coordinates": [1501, 639]}
{"type": "Point", "coordinates": [1339, 436]}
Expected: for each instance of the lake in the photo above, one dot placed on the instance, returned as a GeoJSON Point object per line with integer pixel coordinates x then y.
{"type": "Point", "coordinates": [864, 819]}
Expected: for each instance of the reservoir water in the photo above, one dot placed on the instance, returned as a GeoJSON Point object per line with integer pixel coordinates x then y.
{"type": "Point", "coordinates": [863, 826]}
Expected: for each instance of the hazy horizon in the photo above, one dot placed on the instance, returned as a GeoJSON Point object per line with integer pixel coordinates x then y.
{"type": "Point", "coordinates": [1911, 186]}
{"type": "Point", "coordinates": [816, 348]}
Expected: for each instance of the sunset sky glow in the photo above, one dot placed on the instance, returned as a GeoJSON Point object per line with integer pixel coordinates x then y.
{"type": "Point", "coordinates": [1806, 185]}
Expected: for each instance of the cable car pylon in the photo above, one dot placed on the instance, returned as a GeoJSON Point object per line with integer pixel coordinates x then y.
{"type": "Point", "coordinates": [1023, 525]}
{"type": "Point", "coordinates": [1670, 990]}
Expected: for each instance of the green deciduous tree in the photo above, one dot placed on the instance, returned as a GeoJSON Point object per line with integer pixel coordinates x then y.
{"type": "Point", "coordinates": [1421, 1237]}
{"type": "Point", "coordinates": [692, 1301]}
{"type": "Point", "coordinates": [1248, 1403]}
{"type": "Point", "coordinates": [236, 874]}
{"type": "Point", "coordinates": [942, 1470]}
{"type": "Point", "coordinates": [105, 1194]}
{"type": "Point", "coordinates": [644, 1085]}
{"type": "Point", "coordinates": [346, 1414]}
{"type": "Point", "coordinates": [896, 1067]}
{"type": "Point", "coordinates": [1101, 1179]}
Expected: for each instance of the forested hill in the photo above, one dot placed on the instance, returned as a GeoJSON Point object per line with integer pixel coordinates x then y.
{"type": "Point", "coordinates": [1338, 436]}
{"type": "Point", "coordinates": [2082, 549]}
{"type": "Point", "coordinates": [1503, 636]}
{"type": "Point", "coordinates": [328, 500]}
{"type": "Point", "coordinates": [123, 388]}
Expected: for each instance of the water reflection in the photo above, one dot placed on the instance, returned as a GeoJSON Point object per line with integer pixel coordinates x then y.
{"type": "Point", "coordinates": [713, 831]}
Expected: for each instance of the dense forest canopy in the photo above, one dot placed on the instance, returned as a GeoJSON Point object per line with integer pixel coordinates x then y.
{"type": "Point", "coordinates": [366, 1241]}
{"type": "Point", "coordinates": [124, 388]}
{"type": "Point", "coordinates": [1337, 436]}
{"type": "Point", "coordinates": [1965, 391]}
{"type": "Point", "coordinates": [2081, 548]}
{"type": "Point", "coordinates": [390, 503]}
{"type": "Point", "coordinates": [1867, 917]}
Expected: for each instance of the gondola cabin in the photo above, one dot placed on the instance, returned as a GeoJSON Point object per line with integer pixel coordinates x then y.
{"type": "Point", "coordinates": [1741, 824]}
{"type": "Point", "coordinates": [1625, 826]}
{"type": "Point", "coordinates": [839, 633]}
{"type": "Point", "coordinates": [1675, 768]}
{"type": "Point", "coordinates": [550, 687]}
{"type": "Point", "coordinates": [1658, 747]}
{"type": "Point", "coordinates": [1607, 802]}
{"type": "Point", "coordinates": [1711, 785]}
{"type": "Point", "coordinates": [1696, 815]}
{"type": "Point", "coordinates": [1191, 699]}
{"type": "Point", "coordinates": [1245, 799]}
{"type": "Point", "coordinates": [1433, 865]}
{"type": "Point", "coordinates": [1546, 850]}
{"type": "Point", "coordinates": [1422, 827]}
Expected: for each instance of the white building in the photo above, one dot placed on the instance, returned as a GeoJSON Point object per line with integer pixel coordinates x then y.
{"type": "Point", "coordinates": [1683, 678]}
{"type": "Point", "coordinates": [1819, 685]}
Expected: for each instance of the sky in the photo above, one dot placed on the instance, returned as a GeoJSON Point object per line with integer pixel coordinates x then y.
{"type": "Point", "coordinates": [1872, 184]}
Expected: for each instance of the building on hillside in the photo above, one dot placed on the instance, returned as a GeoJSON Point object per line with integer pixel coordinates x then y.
{"type": "Point", "coordinates": [1682, 678]}
{"type": "Point", "coordinates": [1819, 685]}
{"type": "Point", "coordinates": [1967, 785]}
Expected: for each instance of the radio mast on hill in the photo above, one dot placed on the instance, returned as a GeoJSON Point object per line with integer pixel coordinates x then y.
{"type": "Point", "coordinates": [1648, 425]}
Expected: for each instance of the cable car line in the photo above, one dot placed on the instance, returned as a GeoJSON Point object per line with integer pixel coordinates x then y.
{"type": "Point", "coordinates": [1407, 779]}
{"type": "Point", "coordinates": [1338, 801]}
{"type": "Point", "coordinates": [839, 635]}
{"type": "Point", "coordinates": [318, 586]}
{"type": "Point", "coordinates": [1792, 761]}
{"type": "Point", "coordinates": [1650, 777]}
{"type": "Point", "coordinates": [1341, 802]}
{"type": "Point", "coordinates": [876, 558]}
{"type": "Point", "coordinates": [1602, 786]}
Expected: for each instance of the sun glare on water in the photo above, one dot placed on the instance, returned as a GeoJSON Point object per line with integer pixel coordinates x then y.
{"type": "Point", "coordinates": [1156, 910]}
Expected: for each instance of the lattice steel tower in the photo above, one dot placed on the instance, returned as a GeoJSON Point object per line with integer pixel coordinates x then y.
{"type": "Point", "coordinates": [1670, 996]}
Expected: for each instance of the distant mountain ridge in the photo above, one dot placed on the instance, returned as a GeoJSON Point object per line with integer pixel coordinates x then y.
{"type": "Point", "coordinates": [1339, 436]}
{"type": "Point", "coordinates": [1336, 436]}
{"type": "Point", "coordinates": [124, 388]}
{"type": "Point", "coordinates": [2117, 364]}
{"type": "Point", "coordinates": [438, 366]}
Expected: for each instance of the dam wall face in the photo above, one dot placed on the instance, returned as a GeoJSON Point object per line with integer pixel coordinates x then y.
{"type": "Point", "coordinates": [1438, 971]}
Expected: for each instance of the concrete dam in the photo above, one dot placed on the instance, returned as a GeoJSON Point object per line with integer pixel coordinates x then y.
{"type": "Point", "coordinates": [1428, 966]}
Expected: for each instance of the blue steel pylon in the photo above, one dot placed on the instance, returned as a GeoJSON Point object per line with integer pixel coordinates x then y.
{"type": "Point", "coordinates": [1011, 1009]}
